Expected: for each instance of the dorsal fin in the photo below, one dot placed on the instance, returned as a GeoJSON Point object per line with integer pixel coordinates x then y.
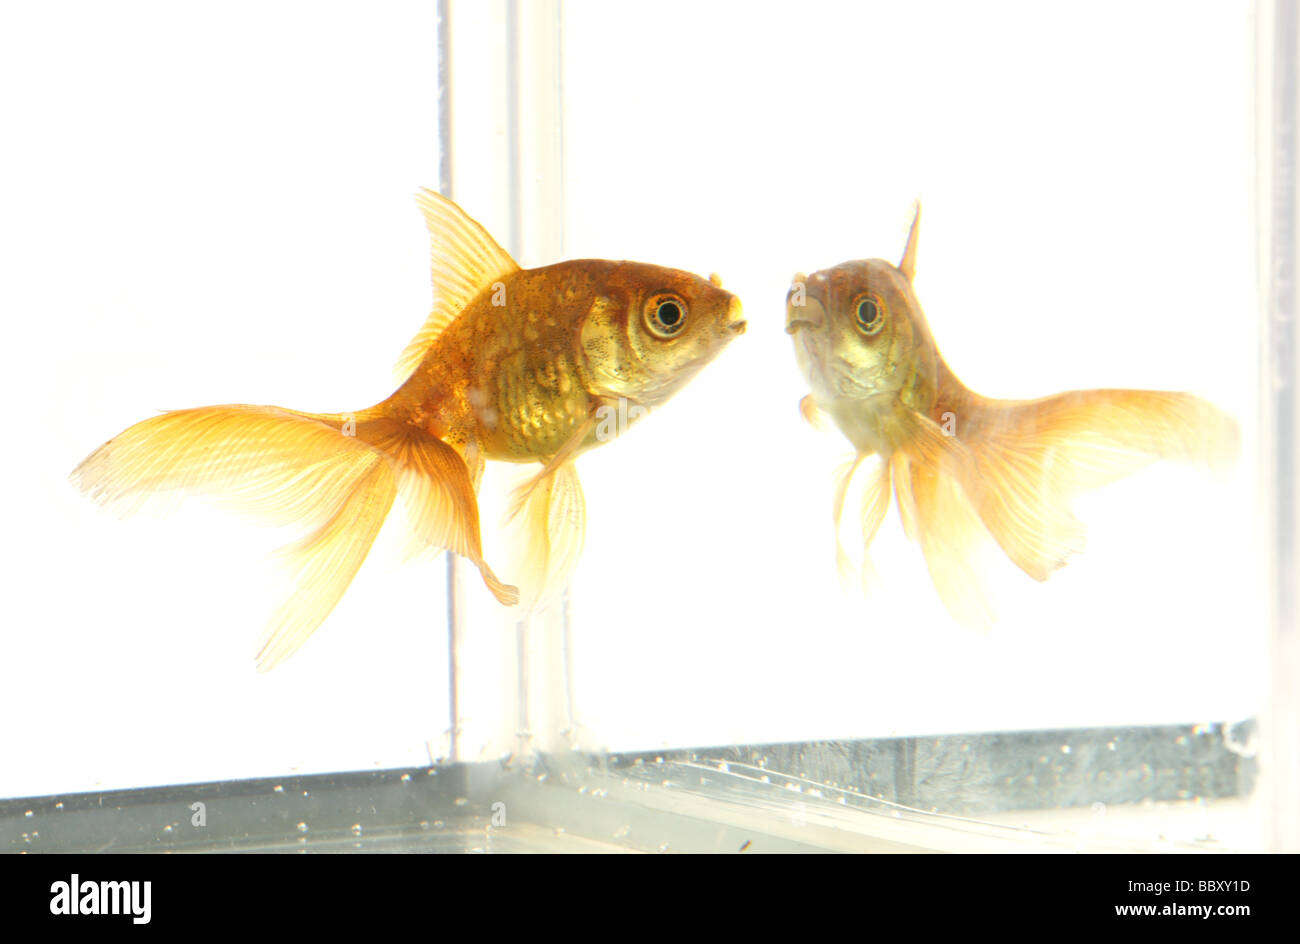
{"type": "Point", "coordinates": [465, 261]}
{"type": "Point", "coordinates": [908, 264]}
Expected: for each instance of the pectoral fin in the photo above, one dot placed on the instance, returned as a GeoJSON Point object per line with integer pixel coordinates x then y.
{"type": "Point", "coordinates": [813, 414]}
{"type": "Point", "coordinates": [520, 496]}
{"type": "Point", "coordinates": [875, 505]}
{"type": "Point", "coordinates": [553, 525]}
{"type": "Point", "coordinates": [843, 479]}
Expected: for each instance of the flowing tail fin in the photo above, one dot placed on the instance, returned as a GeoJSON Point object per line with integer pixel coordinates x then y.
{"type": "Point", "coordinates": [1011, 469]}
{"type": "Point", "coordinates": [292, 468]}
{"type": "Point", "coordinates": [1033, 457]}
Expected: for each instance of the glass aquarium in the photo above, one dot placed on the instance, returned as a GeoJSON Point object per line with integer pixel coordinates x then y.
{"type": "Point", "coordinates": [214, 204]}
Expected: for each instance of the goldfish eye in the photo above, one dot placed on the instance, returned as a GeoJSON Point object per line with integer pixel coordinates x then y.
{"type": "Point", "coordinates": [665, 315]}
{"type": "Point", "coordinates": [869, 314]}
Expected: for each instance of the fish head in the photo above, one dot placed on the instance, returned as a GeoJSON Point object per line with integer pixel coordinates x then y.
{"type": "Point", "coordinates": [859, 334]}
{"type": "Point", "coordinates": [651, 329]}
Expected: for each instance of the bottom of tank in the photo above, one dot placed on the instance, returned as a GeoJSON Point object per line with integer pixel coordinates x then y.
{"type": "Point", "coordinates": [1139, 789]}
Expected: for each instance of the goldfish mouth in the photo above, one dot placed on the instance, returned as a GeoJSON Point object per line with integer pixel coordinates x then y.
{"type": "Point", "coordinates": [726, 333]}
{"type": "Point", "coordinates": [735, 322]}
{"type": "Point", "coordinates": [810, 315]}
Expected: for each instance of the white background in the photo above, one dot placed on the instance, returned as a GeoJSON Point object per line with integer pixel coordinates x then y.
{"type": "Point", "coordinates": [212, 203]}
{"type": "Point", "coordinates": [1085, 171]}
{"type": "Point", "coordinates": [203, 203]}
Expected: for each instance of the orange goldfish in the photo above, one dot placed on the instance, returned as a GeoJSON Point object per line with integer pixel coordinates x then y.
{"type": "Point", "coordinates": [962, 466]}
{"type": "Point", "coordinates": [516, 365]}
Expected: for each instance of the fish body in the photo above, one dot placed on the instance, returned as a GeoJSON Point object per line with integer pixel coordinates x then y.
{"type": "Point", "coordinates": [514, 365]}
{"type": "Point", "coordinates": [519, 379]}
{"type": "Point", "coordinates": [963, 467]}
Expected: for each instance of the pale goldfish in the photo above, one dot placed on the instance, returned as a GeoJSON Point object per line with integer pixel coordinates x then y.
{"type": "Point", "coordinates": [962, 466]}
{"type": "Point", "coordinates": [516, 365]}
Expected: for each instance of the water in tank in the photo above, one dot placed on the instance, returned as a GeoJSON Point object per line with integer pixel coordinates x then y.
{"type": "Point", "coordinates": [216, 204]}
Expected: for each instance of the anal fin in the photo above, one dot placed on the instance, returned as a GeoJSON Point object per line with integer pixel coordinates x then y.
{"type": "Point", "coordinates": [931, 476]}
{"type": "Point", "coordinates": [439, 491]}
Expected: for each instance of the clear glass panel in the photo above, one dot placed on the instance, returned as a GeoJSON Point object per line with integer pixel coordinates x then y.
{"type": "Point", "coordinates": [210, 205]}
{"type": "Point", "coordinates": [219, 210]}
{"type": "Point", "coordinates": [1081, 230]}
